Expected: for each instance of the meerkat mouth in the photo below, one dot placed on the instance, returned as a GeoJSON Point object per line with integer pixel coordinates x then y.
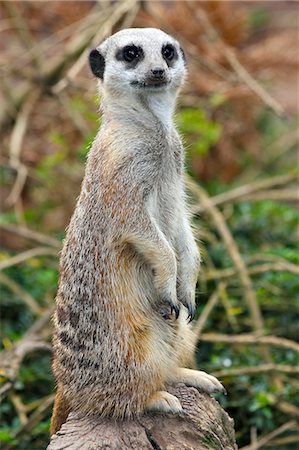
{"type": "Point", "coordinates": [150, 84]}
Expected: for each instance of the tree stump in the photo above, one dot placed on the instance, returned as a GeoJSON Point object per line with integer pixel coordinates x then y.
{"type": "Point", "coordinates": [202, 425]}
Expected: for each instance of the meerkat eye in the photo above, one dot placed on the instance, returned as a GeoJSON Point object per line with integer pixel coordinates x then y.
{"type": "Point", "coordinates": [168, 52]}
{"type": "Point", "coordinates": [131, 53]}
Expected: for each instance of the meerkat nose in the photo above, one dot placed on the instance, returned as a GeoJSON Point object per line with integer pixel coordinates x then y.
{"type": "Point", "coordinates": [158, 72]}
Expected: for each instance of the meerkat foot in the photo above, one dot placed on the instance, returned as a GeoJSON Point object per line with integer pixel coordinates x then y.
{"type": "Point", "coordinates": [164, 402]}
{"type": "Point", "coordinates": [198, 379]}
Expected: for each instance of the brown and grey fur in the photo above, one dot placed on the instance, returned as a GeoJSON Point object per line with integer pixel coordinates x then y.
{"type": "Point", "coordinates": [129, 260]}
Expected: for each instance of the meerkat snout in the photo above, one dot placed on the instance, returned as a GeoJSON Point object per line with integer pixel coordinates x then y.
{"type": "Point", "coordinates": [139, 60]}
{"type": "Point", "coordinates": [158, 73]}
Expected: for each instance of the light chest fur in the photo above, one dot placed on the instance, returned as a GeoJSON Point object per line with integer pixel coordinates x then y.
{"type": "Point", "coordinates": [166, 199]}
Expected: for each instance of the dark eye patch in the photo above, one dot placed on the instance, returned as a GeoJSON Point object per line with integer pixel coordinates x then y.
{"type": "Point", "coordinates": [169, 53]}
{"type": "Point", "coordinates": [130, 54]}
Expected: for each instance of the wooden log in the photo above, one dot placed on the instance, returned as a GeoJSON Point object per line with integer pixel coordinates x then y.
{"type": "Point", "coordinates": [202, 425]}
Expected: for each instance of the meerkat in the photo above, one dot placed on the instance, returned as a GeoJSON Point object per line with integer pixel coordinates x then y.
{"type": "Point", "coordinates": [129, 263]}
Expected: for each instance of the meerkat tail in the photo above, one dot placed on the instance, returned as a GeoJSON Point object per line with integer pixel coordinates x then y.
{"type": "Point", "coordinates": [61, 411]}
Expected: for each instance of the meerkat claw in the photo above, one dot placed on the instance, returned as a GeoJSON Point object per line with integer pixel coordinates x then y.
{"type": "Point", "coordinates": [173, 306]}
{"type": "Point", "coordinates": [176, 309]}
{"type": "Point", "coordinates": [191, 311]}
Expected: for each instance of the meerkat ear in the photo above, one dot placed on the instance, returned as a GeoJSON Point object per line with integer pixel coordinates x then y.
{"type": "Point", "coordinates": [97, 63]}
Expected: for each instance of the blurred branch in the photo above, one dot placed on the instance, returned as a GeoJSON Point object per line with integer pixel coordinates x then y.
{"type": "Point", "coordinates": [22, 30]}
{"type": "Point", "coordinates": [264, 368]}
{"type": "Point", "coordinates": [19, 407]}
{"type": "Point", "coordinates": [32, 341]}
{"type": "Point", "coordinates": [293, 439]}
{"type": "Point", "coordinates": [23, 295]}
{"type": "Point", "coordinates": [16, 140]}
{"type": "Point", "coordinates": [39, 326]}
{"type": "Point", "coordinates": [5, 389]}
{"type": "Point", "coordinates": [32, 235]}
{"type": "Point", "coordinates": [232, 249]}
{"type": "Point", "coordinates": [212, 302]}
{"type": "Point", "coordinates": [74, 115]}
{"type": "Point", "coordinates": [240, 193]}
{"type": "Point", "coordinates": [289, 195]}
{"type": "Point", "coordinates": [269, 437]}
{"type": "Point", "coordinates": [41, 47]}
{"type": "Point", "coordinates": [262, 268]}
{"type": "Point", "coordinates": [280, 146]}
{"type": "Point", "coordinates": [250, 339]}
{"type": "Point", "coordinates": [266, 257]}
{"type": "Point", "coordinates": [284, 407]}
{"type": "Point", "coordinates": [231, 57]}
{"type": "Point", "coordinates": [8, 106]}
{"type": "Point", "coordinates": [21, 257]}
{"type": "Point", "coordinates": [12, 359]}
{"type": "Point", "coordinates": [229, 309]}
{"type": "Point", "coordinates": [36, 417]}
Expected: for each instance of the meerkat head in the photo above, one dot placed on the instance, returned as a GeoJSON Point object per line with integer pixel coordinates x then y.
{"type": "Point", "coordinates": [139, 60]}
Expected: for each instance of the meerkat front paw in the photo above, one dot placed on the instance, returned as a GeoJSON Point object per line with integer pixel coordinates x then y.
{"type": "Point", "coordinates": [198, 379]}
{"type": "Point", "coordinates": [162, 401]}
{"type": "Point", "coordinates": [174, 307]}
{"type": "Point", "coordinates": [167, 295]}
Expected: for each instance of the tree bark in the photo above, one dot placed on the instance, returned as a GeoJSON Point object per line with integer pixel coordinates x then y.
{"type": "Point", "coordinates": [202, 425]}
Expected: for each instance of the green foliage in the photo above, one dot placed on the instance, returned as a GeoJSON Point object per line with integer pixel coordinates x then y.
{"type": "Point", "coordinates": [267, 229]}
{"type": "Point", "coordinates": [258, 18]}
{"type": "Point", "coordinates": [35, 379]}
{"type": "Point", "coordinates": [36, 278]}
{"type": "Point", "coordinates": [202, 133]}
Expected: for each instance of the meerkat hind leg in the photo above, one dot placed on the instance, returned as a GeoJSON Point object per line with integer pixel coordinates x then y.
{"type": "Point", "coordinates": [164, 402]}
{"type": "Point", "coordinates": [198, 379]}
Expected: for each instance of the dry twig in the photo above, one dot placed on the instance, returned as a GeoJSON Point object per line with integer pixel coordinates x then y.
{"type": "Point", "coordinates": [22, 31]}
{"type": "Point", "coordinates": [23, 295]}
{"type": "Point", "coordinates": [264, 368]}
{"type": "Point", "coordinates": [284, 441]}
{"type": "Point", "coordinates": [36, 416]}
{"type": "Point", "coordinates": [17, 137]}
{"type": "Point", "coordinates": [212, 302]}
{"type": "Point", "coordinates": [231, 57]}
{"type": "Point", "coordinates": [282, 266]}
{"type": "Point", "coordinates": [250, 339]}
{"type": "Point", "coordinates": [32, 253]}
{"type": "Point", "coordinates": [33, 340]}
{"type": "Point", "coordinates": [32, 235]}
{"type": "Point", "coordinates": [292, 424]}
{"type": "Point", "coordinates": [19, 407]}
{"type": "Point", "coordinates": [246, 191]}
{"type": "Point", "coordinates": [232, 248]}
